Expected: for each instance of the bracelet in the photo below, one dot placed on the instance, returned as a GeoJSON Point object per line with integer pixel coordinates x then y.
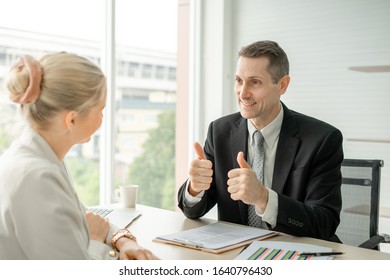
{"type": "Point", "coordinates": [121, 233]}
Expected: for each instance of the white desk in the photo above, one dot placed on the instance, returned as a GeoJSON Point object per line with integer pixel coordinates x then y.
{"type": "Point", "coordinates": [154, 222]}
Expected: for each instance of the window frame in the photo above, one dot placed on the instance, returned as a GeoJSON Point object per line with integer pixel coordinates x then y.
{"type": "Point", "coordinates": [106, 180]}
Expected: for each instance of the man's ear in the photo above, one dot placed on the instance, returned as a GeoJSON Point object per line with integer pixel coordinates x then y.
{"type": "Point", "coordinates": [70, 119]}
{"type": "Point", "coordinates": [284, 82]}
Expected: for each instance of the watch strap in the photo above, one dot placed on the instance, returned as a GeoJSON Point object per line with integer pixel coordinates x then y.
{"type": "Point", "coordinates": [121, 233]}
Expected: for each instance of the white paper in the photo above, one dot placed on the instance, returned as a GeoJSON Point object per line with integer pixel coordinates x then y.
{"type": "Point", "coordinates": [216, 236]}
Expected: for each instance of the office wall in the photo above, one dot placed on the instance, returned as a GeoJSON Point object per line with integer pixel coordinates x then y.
{"type": "Point", "coordinates": [325, 41]}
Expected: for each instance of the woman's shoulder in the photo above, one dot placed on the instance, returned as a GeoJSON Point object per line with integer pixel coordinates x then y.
{"type": "Point", "coordinates": [21, 167]}
{"type": "Point", "coordinates": [22, 157]}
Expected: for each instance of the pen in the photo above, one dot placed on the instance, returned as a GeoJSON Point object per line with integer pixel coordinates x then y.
{"type": "Point", "coordinates": [320, 254]}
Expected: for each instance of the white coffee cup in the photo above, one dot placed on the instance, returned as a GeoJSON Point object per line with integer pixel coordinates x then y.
{"type": "Point", "coordinates": [127, 195]}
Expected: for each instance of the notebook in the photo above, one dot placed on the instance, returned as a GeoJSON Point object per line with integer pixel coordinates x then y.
{"type": "Point", "coordinates": [121, 217]}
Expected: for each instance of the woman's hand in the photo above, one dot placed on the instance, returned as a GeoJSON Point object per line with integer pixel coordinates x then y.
{"type": "Point", "coordinates": [98, 226]}
{"type": "Point", "coordinates": [130, 250]}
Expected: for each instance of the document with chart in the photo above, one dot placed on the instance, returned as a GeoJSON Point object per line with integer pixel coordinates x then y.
{"type": "Point", "coordinates": [279, 250]}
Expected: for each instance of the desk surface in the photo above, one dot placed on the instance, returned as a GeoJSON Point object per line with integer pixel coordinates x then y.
{"type": "Point", "coordinates": [154, 222]}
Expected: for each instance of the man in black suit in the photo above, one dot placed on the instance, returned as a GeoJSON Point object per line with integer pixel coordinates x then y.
{"type": "Point", "coordinates": [300, 190]}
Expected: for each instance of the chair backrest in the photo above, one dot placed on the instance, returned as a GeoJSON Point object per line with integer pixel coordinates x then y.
{"type": "Point", "coordinates": [360, 197]}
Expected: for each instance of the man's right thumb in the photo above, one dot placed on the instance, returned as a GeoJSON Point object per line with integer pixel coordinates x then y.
{"type": "Point", "coordinates": [241, 161]}
{"type": "Point", "coordinates": [199, 151]}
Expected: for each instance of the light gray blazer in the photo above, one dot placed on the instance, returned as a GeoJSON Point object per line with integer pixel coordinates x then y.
{"type": "Point", "coordinates": [41, 216]}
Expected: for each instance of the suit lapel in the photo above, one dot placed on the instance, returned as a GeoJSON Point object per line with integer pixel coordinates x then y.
{"type": "Point", "coordinates": [239, 142]}
{"type": "Point", "coordinates": [239, 136]}
{"type": "Point", "coordinates": [286, 150]}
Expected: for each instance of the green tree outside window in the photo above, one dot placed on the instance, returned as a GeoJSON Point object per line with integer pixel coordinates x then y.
{"type": "Point", "coordinates": [154, 169]}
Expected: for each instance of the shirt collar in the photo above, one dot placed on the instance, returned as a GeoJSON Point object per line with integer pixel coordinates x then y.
{"type": "Point", "coordinates": [270, 132]}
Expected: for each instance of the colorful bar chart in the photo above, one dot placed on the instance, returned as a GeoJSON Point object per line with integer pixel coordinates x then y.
{"type": "Point", "coordinates": [278, 250]}
{"type": "Point", "coordinates": [276, 254]}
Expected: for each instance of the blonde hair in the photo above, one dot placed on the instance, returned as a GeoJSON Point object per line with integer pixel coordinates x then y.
{"type": "Point", "coordinates": [17, 82]}
{"type": "Point", "coordinates": [69, 83]}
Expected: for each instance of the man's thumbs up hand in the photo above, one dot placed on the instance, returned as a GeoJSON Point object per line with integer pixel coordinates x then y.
{"type": "Point", "coordinates": [201, 172]}
{"type": "Point", "coordinates": [199, 151]}
{"type": "Point", "coordinates": [243, 184]}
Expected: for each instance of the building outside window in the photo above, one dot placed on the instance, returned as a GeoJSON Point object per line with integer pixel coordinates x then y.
{"type": "Point", "coordinates": [172, 74]}
{"type": "Point", "coordinates": [147, 71]}
{"type": "Point", "coordinates": [133, 69]}
{"type": "Point", "coordinates": [160, 72]}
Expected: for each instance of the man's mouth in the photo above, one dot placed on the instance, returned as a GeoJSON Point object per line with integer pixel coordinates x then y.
{"type": "Point", "coordinates": [248, 103]}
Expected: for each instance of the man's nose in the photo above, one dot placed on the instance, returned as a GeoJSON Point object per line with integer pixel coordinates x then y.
{"type": "Point", "coordinates": [244, 91]}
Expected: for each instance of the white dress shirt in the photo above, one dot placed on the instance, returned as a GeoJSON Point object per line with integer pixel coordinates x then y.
{"type": "Point", "coordinates": [271, 137]}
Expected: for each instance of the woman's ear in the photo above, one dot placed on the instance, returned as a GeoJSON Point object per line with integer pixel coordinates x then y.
{"type": "Point", "coordinates": [70, 119]}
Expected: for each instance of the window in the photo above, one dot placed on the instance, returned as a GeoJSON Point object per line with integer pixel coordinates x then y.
{"type": "Point", "coordinates": [172, 74]}
{"type": "Point", "coordinates": [133, 69]}
{"type": "Point", "coordinates": [138, 120]}
{"type": "Point", "coordinates": [160, 72]}
{"type": "Point", "coordinates": [145, 117]}
{"type": "Point", "coordinates": [2, 57]}
{"type": "Point", "coordinates": [121, 68]}
{"type": "Point", "coordinates": [37, 38]}
{"type": "Point", "coordinates": [147, 71]}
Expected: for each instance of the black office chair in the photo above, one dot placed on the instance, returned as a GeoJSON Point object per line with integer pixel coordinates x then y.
{"type": "Point", "coordinates": [360, 210]}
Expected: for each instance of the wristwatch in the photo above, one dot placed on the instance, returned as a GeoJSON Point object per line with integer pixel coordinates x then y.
{"type": "Point", "coordinates": [121, 233]}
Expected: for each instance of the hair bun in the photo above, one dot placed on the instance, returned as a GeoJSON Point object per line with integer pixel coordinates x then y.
{"type": "Point", "coordinates": [24, 80]}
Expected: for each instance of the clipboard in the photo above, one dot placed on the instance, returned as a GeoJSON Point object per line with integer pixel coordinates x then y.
{"type": "Point", "coordinates": [216, 238]}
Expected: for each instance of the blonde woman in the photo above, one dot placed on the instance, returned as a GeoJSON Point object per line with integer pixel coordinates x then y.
{"type": "Point", "coordinates": [62, 97]}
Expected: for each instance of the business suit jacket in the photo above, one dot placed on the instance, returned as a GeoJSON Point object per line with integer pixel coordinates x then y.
{"type": "Point", "coordinates": [41, 216]}
{"type": "Point", "coordinates": [307, 174]}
